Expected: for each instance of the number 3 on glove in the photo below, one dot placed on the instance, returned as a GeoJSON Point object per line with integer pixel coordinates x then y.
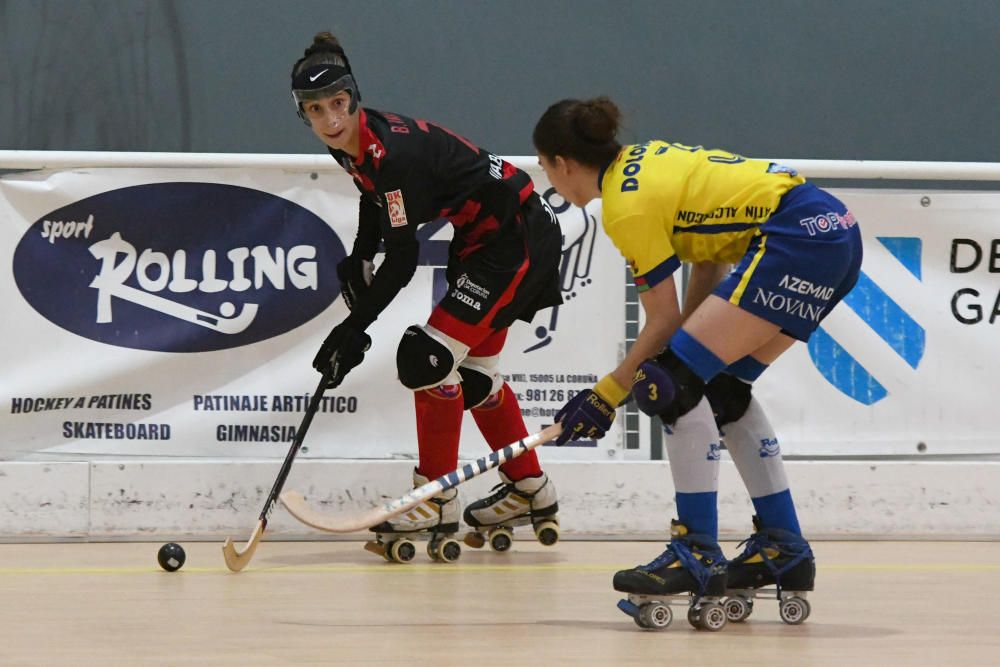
{"type": "Point", "coordinates": [586, 415]}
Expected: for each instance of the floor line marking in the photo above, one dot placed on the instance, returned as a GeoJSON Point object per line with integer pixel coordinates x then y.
{"type": "Point", "coordinates": [387, 568]}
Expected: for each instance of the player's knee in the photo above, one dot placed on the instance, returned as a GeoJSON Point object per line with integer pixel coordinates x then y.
{"type": "Point", "coordinates": [653, 388]}
{"type": "Point", "coordinates": [666, 387]}
{"type": "Point", "coordinates": [426, 358]}
{"type": "Point", "coordinates": [481, 379]}
{"type": "Point", "coordinates": [729, 397]}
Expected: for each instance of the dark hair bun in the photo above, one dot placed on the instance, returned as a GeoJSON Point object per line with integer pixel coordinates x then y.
{"type": "Point", "coordinates": [597, 120]}
{"type": "Point", "coordinates": [584, 130]}
{"type": "Point", "coordinates": [324, 42]}
{"type": "Point", "coordinates": [326, 39]}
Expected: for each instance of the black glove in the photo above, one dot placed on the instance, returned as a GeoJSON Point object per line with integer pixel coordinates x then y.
{"type": "Point", "coordinates": [342, 350]}
{"type": "Point", "coordinates": [355, 275]}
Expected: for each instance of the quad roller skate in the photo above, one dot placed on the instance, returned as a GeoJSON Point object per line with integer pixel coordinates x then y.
{"type": "Point", "coordinates": [435, 519]}
{"type": "Point", "coordinates": [531, 500]}
{"type": "Point", "coordinates": [775, 564]}
{"type": "Point", "coordinates": [691, 572]}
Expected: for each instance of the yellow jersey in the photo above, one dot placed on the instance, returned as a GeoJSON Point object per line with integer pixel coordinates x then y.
{"type": "Point", "coordinates": [666, 203]}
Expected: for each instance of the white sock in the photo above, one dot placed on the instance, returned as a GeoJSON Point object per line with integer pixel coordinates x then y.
{"type": "Point", "coordinates": [693, 450]}
{"type": "Point", "coordinates": [754, 447]}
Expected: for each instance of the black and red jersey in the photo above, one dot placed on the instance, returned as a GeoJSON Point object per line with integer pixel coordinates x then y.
{"type": "Point", "coordinates": [411, 172]}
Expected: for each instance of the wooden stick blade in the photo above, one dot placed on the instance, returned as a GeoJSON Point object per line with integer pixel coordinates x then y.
{"type": "Point", "coordinates": [297, 506]}
{"type": "Point", "coordinates": [235, 559]}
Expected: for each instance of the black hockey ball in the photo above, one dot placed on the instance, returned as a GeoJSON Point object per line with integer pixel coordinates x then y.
{"type": "Point", "coordinates": [171, 557]}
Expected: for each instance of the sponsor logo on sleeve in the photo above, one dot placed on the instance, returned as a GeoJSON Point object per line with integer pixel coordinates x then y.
{"type": "Point", "coordinates": [397, 212]}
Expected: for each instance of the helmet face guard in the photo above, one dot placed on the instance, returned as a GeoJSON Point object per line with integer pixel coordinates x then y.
{"type": "Point", "coordinates": [323, 75]}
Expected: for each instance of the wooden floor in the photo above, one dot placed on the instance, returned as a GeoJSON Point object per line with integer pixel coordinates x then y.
{"type": "Point", "coordinates": [324, 603]}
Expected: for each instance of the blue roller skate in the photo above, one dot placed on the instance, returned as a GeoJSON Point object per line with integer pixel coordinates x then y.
{"type": "Point", "coordinates": [775, 564]}
{"type": "Point", "coordinates": [691, 572]}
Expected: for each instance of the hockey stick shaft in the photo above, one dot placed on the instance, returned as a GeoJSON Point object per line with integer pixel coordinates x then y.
{"type": "Point", "coordinates": [297, 506]}
{"type": "Point", "coordinates": [300, 435]}
{"type": "Point", "coordinates": [235, 559]}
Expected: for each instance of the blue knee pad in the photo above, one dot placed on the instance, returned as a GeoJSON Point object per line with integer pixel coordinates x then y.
{"type": "Point", "coordinates": [666, 387]}
{"type": "Point", "coordinates": [653, 388]}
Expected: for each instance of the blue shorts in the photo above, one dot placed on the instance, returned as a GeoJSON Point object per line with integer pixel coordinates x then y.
{"type": "Point", "coordinates": [805, 259]}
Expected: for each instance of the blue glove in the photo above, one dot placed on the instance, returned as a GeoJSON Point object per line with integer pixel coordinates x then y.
{"type": "Point", "coordinates": [586, 415]}
{"type": "Point", "coordinates": [343, 349]}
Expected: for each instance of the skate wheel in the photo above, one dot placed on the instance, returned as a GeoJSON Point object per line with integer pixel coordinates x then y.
{"type": "Point", "coordinates": [501, 539]}
{"type": "Point", "coordinates": [446, 551]}
{"type": "Point", "coordinates": [694, 618]}
{"type": "Point", "coordinates": [475, 539]}
{"type": "Point", "coordinates": [402, 551]}
{"type": "Point", "coordinates": [738, 608]}
{"type": "Point", "coordinates": [450, 551]}
{"type": "Point", "coordinates": [654, 616]}
{"type": "Point", "coordinates": [711, 617]}
{"type": "Point", "coordinates": [794, 610]}
{"type": "Point", "coordinates": [547, 532]}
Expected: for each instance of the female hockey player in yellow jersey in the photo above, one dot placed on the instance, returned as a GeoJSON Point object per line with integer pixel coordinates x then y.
{"type": "Point", "coordinates": [796, 251]}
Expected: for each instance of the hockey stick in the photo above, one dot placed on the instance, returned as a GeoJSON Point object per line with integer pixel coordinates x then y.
{"type": "Point", "coordinates": [237, 559]}
{"type": "Point", "coordinates": [297, 506]}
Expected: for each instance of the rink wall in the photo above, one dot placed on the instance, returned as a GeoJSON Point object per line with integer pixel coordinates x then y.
{"type": "Point", "coordinates": [885, 418]}
{"type": "Point", "coordinates": [197, 499]}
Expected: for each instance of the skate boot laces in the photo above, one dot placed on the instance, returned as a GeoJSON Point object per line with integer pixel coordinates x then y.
{"type": "Point", "coordinates": [438, 514]}
{"type": "Point", "coordinates": [679, 554]}
{"type": "Point", "coordinates": [507, 488]}
{"type": "Point", "coordinates": [765, 548]}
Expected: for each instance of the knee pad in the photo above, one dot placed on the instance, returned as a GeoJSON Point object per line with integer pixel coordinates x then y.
{"type": "Point", "coordinates": [729, 397]}
{"type": "Point", "coordinates": [480, 379]}
{"type": "Point", "coordinates": [427, 358]}
{"type": "Point", "coordinates": [676, 388]}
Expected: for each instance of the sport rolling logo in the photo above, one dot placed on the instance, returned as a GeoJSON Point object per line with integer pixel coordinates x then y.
{"type": "Point", "coordinates": [886, 317]}
{"type": "Point", "coordinates": [179, 267]}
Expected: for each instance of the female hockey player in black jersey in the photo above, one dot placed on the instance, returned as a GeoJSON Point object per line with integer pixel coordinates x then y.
{"type": "Point", "coordinates": [503, 266]}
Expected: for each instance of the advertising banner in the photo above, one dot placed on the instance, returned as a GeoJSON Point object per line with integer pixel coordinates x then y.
{"type": "Point", "coordinates": [904, 365]}
{"type": "Point", "coordinates": [176, 312]}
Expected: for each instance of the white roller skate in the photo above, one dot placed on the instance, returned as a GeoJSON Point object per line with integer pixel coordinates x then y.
{"type": "Point", "coordinates": [531, 500]}
{"type": "Point", "coordinates": [436, 519]}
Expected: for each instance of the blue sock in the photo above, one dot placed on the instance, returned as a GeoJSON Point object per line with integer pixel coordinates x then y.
{"type": "Point", "coordinates": [699, 513]}
{"type": "Point", "coordinates": [701, 360]}
{"type": "Point", "coordinates": [777, 511]}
